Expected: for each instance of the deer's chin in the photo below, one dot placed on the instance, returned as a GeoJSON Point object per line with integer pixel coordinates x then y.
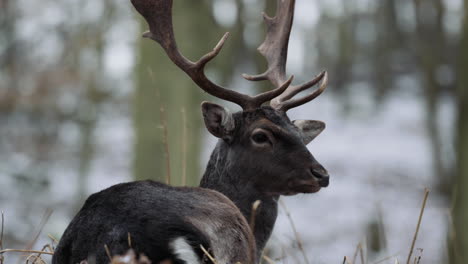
{"type": "Point", "coordinates": [296, 187]}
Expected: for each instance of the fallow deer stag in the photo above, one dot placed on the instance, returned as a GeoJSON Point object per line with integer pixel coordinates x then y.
{"type": "Point", "coordinates": [261, 154]}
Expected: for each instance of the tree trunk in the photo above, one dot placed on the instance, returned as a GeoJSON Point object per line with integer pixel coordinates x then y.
{"type": "Point", "coordinates": [161, 84]}
{"type": "Point", "coordinates": [459, 248]}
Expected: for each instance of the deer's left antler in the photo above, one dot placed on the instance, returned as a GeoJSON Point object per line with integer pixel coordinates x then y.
{"type": "Point", "coordinates": [275, 50]}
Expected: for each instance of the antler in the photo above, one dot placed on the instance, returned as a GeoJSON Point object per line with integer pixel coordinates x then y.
{"type": "Point", "coordinates": [158, 15]}
{"type": "Point", "coordinates": [275, 50]}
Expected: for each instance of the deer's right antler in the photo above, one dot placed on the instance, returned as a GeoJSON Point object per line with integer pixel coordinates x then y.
{"type": "Point", "coordinates": [158, 15]}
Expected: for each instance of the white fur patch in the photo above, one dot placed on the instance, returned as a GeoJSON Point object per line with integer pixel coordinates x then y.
{"type": "Point", "coordinates": [222, 238]}
{"type": "Point", "coordinates": [182, 249]}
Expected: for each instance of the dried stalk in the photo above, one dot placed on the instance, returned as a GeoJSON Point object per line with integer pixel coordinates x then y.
{"type": "Point", "coordinates": [296, 234]}
{"type": "Point", "coordinates": [1, 233]}
{"type": "Point", "coordinates": [162, 113]}
{"type": "Point", "coordinates": [212, 259]}
{"type": "Point", "coordinates": [421, 213]}
{"type": "Point", "coordinates": [386, 258]}
{"type": "Point", "coordinates": [268, 260]}
{"type": "Point", "coordinates": [129, 239]}
{"type": "Point", "coordinates": [345, 260]}
{"type": "Point", "coordinates": [358, 247]}
{"type": "Point", "coordinates": [44, 220]}
{"type": "Point", "coordinates": [184, 147]}
{"type": "Point", "coordinates": [25, 251]}
{"type": "Point", "coordinates": [163, 121]}
{"type": "Point", "coordinates": [253, 214]}
{"type": "Point", "coordinates": [108, 252]}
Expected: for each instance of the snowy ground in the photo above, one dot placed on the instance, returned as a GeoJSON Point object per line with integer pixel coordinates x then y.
{"type": "Point", "coordinates": [380, 163]}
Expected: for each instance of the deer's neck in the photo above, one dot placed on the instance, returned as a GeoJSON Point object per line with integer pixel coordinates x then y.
{"type": "Point", "coordinates": [221, 176]}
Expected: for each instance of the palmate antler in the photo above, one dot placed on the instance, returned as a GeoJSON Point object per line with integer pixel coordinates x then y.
{"type": "Point", "coordinates": [275, 50]}
{"type": "Point", "coordinates": [158, 15]}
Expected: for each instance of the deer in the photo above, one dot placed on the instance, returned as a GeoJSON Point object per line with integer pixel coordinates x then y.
{"type": "Point", "coordinates": [260, 155]}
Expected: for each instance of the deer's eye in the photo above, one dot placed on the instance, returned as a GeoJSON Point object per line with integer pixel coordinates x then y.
{"type": "Point", "coordinates": [260, 138]}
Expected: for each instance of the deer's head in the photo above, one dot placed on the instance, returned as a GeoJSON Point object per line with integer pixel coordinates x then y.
{"type": "Point", "coordinates": [265, 143]}
{"type": "Point", "coordinates": [260, 139]}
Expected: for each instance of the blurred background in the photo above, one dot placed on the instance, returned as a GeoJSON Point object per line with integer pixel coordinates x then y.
{"type": "Point", "coordinates": [80, 110]}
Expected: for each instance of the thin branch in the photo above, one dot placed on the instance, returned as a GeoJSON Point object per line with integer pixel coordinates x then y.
{"type": "Point", "coordinates": [359, 245]}
{"type": "Point", "coordinates": [163, 121]}
{"type": "Point", "coordinates": [1, 233]}
{"type": "Point", "coordinates": [253, 214]}
{"type": "Point", "coordinates": [421, 213]}
{"type": "Point", "coordinates": [54, 240]}
{"type": "Point", "coordinates": [346, 260]}
{"type": "Point", "coordinates": [108, 252]}
{"type": "Point", "coordinates": [361, 252]}
{"type": "Point", "coordinates": [44, 220]}
{"type": "Point", "coordinates": [129, 240]}
{"type": "Point", "coordinates": [162, 113]}
{"type": "Point", "coordinates": [296, 234]}
{"type": "Point", "coordinates": [37, 259]}
{"type": "Point", "coordinates": [268, 260]}
{"type": "Point", "coordinates": [386, 258]}
{"type": "Point", "coordinates": [184, 147]}
{"type": "Point", "coordinates": [25, 251]}
{"type": "Point", "coordinates": [212, 259]}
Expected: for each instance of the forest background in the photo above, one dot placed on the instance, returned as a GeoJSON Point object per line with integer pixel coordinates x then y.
{"type": "Point", "coordinates": [81, 96]}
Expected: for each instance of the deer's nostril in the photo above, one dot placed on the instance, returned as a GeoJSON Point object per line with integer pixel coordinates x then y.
{"type": "Point", "coordinates": [322, 176]}
{"type": "Point", "coordinates": [316, 174]}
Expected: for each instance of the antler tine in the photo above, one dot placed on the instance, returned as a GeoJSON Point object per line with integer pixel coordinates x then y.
{"type": "Point", "coordinates": [275, 46]}
{"type": "Point", "coordinates": [284, 101]}
{"type": "Point", "coordinates": [267, 96]}
{"type": "Point", "coordinates": [274, 49]}
{"type": "Point", "coordinates": [158, 15]}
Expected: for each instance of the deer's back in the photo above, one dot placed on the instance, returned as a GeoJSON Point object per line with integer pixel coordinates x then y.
{"type": "Point", "coordinates": [164, 222]}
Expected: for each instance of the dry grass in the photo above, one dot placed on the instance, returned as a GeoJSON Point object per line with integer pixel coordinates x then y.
{"type": "Point", "coordinates": [30, 256]}
{"type": "Point", "coordinates": [394, 259]}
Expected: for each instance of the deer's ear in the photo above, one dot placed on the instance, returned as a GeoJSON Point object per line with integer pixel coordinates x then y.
{"type": "Point", "coordinates": [218, 120]}
{"type": "Point", "coordinates": [309, 129]}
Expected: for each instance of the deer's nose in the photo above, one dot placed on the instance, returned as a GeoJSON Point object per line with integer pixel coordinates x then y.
{"type": "Point", "coordinates": [322, 176]}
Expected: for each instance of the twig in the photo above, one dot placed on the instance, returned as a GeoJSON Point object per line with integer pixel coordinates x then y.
{"type": "Point", "coordinates": [361, 252]}
{"type": "Point", "coordinates": [345, 260]}
{"type": "Point", "coordinates": [208, 254]}
{"type": "Point", "coordinates": [359, 245]}
{"type": "Point", "coordinates": [268, 260]}
{"type": "Point", "coordinates": [253, 214]}
{"type": "Point", "coordinates": [38, 256]}
{"type": "Point", "coordinates": [25, 251]}
{"type": "Point", "coordinates": [36, 259]}
{"type": "Point", "coordinates": [418, 258]}
{"type": "Point", "coordinates": [296, 234]}
{"type": "Point", "coordinates": [44, 220]}
{"type": "Point", "coordinates": [54, 240]}
{"type": "Point", "coordinates": [162, 113]}
{"type": "Point", "coordinates": [285, 253]}
{"type": "Point", "coordinates": [129, 239]}
{"type": "Point", "coordinates": [1, 233]}
{"type": "Point", "coordinates": [184, 147]}
{"type": "Point", "coordinates": [108, 252]}
{"type": "Point", "coordinates": [48, 246]}
{"type": "Point", "coordinates": [426, 193]}
{"type": "Point", "coordinates": [163, 120]}
{"type": "Point", "coordinates": [386, 258]}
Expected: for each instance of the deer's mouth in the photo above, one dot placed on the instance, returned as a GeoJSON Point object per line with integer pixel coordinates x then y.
{"type": "Point", "coordinates": [303, 186]}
